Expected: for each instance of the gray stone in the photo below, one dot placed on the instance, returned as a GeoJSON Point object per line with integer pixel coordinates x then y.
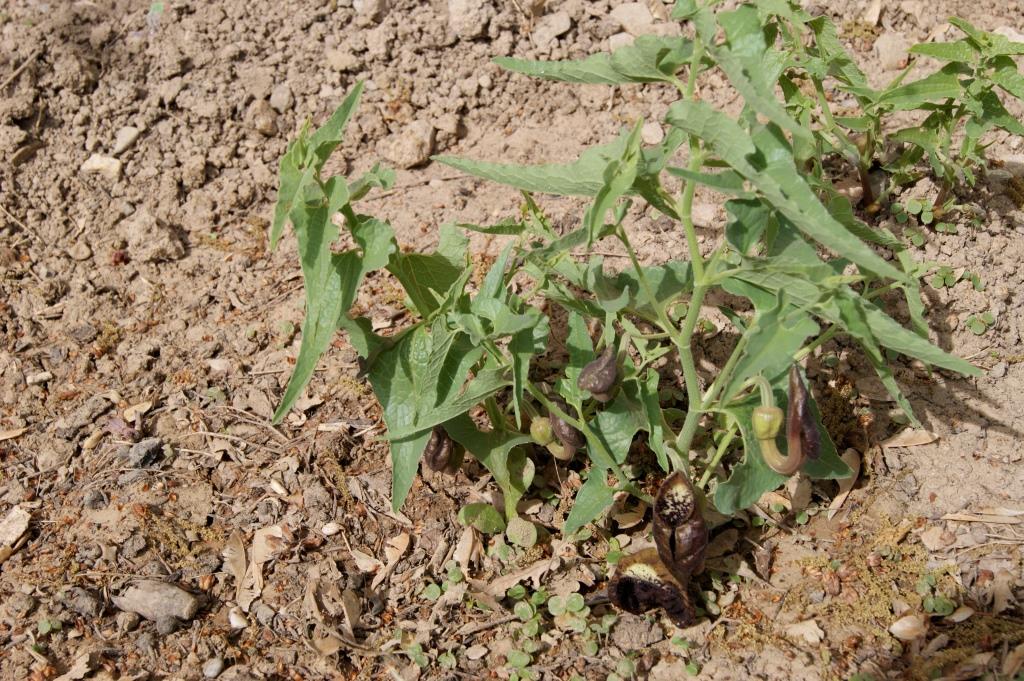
{"type": "Point", "coordinates": [68, 426]}
{"type": "Point", "coordinates": [154, 600]}
{"type": "Point", "coordinates": [19, 604]}
{"type": "Point", "coordinates": [411, 146]}
{"type": "Point", "coordinates": [213, 667]}
{"type": "Point", "coordinates": [127, 621]}
{"type": "Point", "coordinates": [374, 10]}
{"type": "Point", "coordinates": [549, 27]}
{"type": "Point", "coordinates": [80, 251]}
{"type": "Point", "coordinates": [146, 643]}
{"type": "Point", "coordinates": [633, 632]}
{"type": "Point", "coordinates": [999, 370]}
{"type": "Point", "coordinates": [167, 625]}
{"type": "Point", "coordinates": [262, 118]}
{"type": "Point", "coordinates": [146, 452]}
{"type": "Point", "coordinates": [264, 614]}
{"type": "Point", "coordinates": [83, 601]}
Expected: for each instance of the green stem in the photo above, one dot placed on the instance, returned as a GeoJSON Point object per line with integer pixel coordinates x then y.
{"type": "Point", "coordinates": [723, 446]}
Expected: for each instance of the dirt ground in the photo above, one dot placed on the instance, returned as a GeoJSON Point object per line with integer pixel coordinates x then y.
{"type": "Point", "coordinates": [146, 333]}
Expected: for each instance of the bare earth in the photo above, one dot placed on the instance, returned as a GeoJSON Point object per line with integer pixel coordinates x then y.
{"type": "Point", "coordinates": [146, 333]}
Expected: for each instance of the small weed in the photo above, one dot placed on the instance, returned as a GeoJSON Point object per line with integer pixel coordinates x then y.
{"type": "Point", "coordinates": [979, 324]}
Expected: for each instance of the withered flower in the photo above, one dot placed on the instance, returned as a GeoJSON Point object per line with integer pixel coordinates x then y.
{"type": "Point", "coordinates": [441, 454]}
{"type": "Point", "coordinates": [801, 428]}
{"type": "Point", "coordinates": [642, 583]}
{"type": "Point", "coordinates": [600, 376]}
{"type": "Point", "coordinates": [679, 529]}
{"type": "Point", "coordinates": [566, 434]}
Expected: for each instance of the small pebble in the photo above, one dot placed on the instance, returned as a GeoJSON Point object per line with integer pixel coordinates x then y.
{"type": "Point", "coordinates": [281, 98]}
{"type": "Point", "coordinates": [999, 370]}
{"type": "Point", "coordinates": [41, 377]}
{"type": "Point", "coordinates": [213, 667]}
{"type": "Point", "coordinates": [108, 167]}
{"type": "Point", "coordinates": [264, 614]}
{"type": "Point", "coordinates": [146, 643]}
{"type": "Point", "coordinates": [127, 621]}
{"type": "Point", "coordinates": [124, 138]}
{"type": "Point", "coordinates": [146, 452]}
{"type": "Point", "coordinates": [80, 251]}
{"type": "Point", "coordinates": [168, 624]}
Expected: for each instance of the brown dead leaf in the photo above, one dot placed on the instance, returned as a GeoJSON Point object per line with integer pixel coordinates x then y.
{"type": "Point", "coordinates": [995, 519]}
{"type": "Point", "coordinates": [365, 562]}
{"type": "Point", "coordinates": [11, 434]}
{"type": "Point", "coordinates": [394, 549]}
{"type": "Point", "coordinates": [234, 560]}
{"type": "Point", "coordinates": [911, 437]}
{"type": "Point", "coordinates": [12, 527]}
{"type": "Point", "coordinates": [534, 572]}
{"type": "Point", "coordinates": [799, 489]}
{"type": "Point", "coordinates": [1013, 662]}
{"type": "Point", "coordinates": [136, 410]}
{"type": "Point", "coordinates": [82, 665]}
{"type": "Point", "coordinates": [468, 549]}
{"type": "Point", "coordinates": [852, 459]}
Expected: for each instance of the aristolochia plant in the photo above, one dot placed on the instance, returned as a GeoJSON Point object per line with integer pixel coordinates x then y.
{"type": "Point", "coordinates": [463, 375]}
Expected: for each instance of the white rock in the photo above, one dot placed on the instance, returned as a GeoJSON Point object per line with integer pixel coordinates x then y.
{"type": "Point", "coordinates": [330, 529]}
{"type": "Point", "coordinates": [634, 17]}
{"type": "Point", "coordinates": [619, 40]}
{"type": "Point", "coordinates": [281, 98]}
{"type": "Point", "coordinates": [106, 166]}
{"type": "Point", "coordinates": [124, 138]}
{"type": "Point", "coordinates": [410, 147]}
{"type": "Point", "coordinates": [891, 49]}
{"type": "Point", "coordinates": [652, 133]}
{"type": "Point", "coordinates": [213, 667]}
{"type": "Point", "coordinates": [469, 18]}
{"type": "Point", "coordinates": [372, 9]}
{"type": "Point", "coordinates": [549, 27]}
{"type": "Point", "coordinates": [153, 600]}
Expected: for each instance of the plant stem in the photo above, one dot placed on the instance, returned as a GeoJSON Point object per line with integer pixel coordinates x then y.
{"type": "Point", "coordinates": [723, 446]}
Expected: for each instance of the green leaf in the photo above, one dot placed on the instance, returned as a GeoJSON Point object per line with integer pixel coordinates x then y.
{"type": "Point", "coordinates": [618, 178]}
{"type": "Point", "coordinates": [506, 227]}
{"type": "Point", "coordinates": [483, 517]}
{"type": "Point", "coordinates": [958, 50]}
{"type": "Point", "coordinates": [583, 177]}
{"type": "Point", "coordinates": [941, 85]}
{"type": "Point", "coordinates": [304, 159]}
{"type": "Point", "coordinates": [378, 176]}
{"type": "Point", "coordinates": [748, 62]}
{"type": "Point", "coordinates": [501, 454]}
{"type": "Point", "coordinates": [652, 410]}
{"type": "Point", "coordinates": [427, 277]}
{"type": "Point", "coordinates": [748, 219]}
{"type": "Point", "coordinates": [777, 179]}
{"type": "Point", "coordinates": [593, 499]}
{"type": "Point", "coordinates": [331, 281]}
{"type": "Point", "coordinates": [1006, 75]}
{"type": "Point", "coordinates": [618, 422]}
{"type": "Point", "coordinates": [727, 182]}
{"type": "Point", "coordinates": [885, 329]}
{"type": "Point", "coordinates": [649, 59]}
{"type": "Point", "coordinates": [774, 336]}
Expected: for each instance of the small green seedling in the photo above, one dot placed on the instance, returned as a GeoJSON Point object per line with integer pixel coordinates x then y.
{"type": "Point", "coordinates": [979, 324]}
